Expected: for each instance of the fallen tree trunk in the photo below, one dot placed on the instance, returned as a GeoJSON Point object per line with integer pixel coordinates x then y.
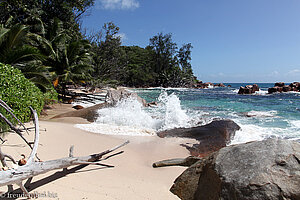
{"type": "Point", "coordinates": [16, 176]}
{"type": "Point", "coordinates": [32, 168]}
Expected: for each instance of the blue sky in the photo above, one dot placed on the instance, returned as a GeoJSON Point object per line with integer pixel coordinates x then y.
{"type": "Point", "coordinates": [233, 40]}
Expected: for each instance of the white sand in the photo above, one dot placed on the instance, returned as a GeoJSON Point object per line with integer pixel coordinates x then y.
{"type": "Point", "coordinates": [132, 177]}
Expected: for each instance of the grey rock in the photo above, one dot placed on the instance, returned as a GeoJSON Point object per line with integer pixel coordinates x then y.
{"type": "Point", "coordinates": [267, 170]}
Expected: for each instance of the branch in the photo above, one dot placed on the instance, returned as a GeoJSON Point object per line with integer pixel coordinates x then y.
{"type": "Point", "coordinates": [18, 131]}
{"type": "Point", "coordinates": [14, 176]}
{"type": "Point", "coordinates": [9, 110]}
{"type": "Point", "coordinates": [36, 138]}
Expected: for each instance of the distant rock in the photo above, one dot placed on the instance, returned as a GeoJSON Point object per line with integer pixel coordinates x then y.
{"type": "Point", "coordinates": [248, 89]}
{"type": "Point", "coordinates": [279, 84]}
{"type": "Point", "coordinates": [281, 87]}
{"type": "Point", "coordinates": [286, 88]}
{"type": "Point", "coordinates": [212, 136]}
{"type": "Point", "coordinates": [219, 85]}
{"type": "Point", "coordinates": [268, 170]}
{"type": "Point", "coordinates": [201, 85]}
{"type": "Point", "coordinates": [272, 90]}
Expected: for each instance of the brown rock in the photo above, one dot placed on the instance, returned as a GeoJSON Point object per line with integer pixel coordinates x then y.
{"type": "Point", "coordinates": [279, 89]}
{"type": "Point", "coordinates": [272, 90]}
{"type": "Point", "coordinates": [279, 84]}
{"type": "Point", "coordinates": [212, 136]}
{"type": "Point", "coordinates": [78, 107]}
{"type": "Point", "coordinates": [248, 89]}
{"type": "Point", "coordinates": [219, 85]}
{"type": "Point", "coordinates": [255, 88]}
{"type": "Point", "coordinates": [286, 88]}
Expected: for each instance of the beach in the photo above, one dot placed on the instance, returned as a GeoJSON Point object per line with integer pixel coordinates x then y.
{"type": "Point", "coordinates": [132, 177]}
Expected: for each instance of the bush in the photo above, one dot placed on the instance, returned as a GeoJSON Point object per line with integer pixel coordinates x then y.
{"type": "Point", "coordinates": [19, 93]}
{"type": "Point", "coordinates": [51, 96]}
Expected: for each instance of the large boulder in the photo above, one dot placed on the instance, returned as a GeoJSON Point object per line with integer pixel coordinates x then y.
{"type": "Point", "coordinates": [281, 87]}
{"type": "Point", "coordinates": [268, 170]}
{"type": "Point", "coordinates": [279, 84]}
{"type": "Point", "coordinates": [272, 90]}
{"type": "Point", "coordinates": [211, 137]}
{"type": "Point", "coordinates": [115, 95]}
{"type": "Point", "coordinates": [286, 88]}
{"type": "Point", "coordinates": [295, 86]}
{"type": "Point", "coordinates": [248, 89]}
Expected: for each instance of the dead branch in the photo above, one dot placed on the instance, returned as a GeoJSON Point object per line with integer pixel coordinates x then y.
{"type": "Point", "coordinates": [33, 168]}
{"type": "Point", "coordinates": [9, 110]}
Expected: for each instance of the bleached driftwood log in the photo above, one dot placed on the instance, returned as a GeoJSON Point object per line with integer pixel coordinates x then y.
{"type": "Point", "coordinates": [33, 168]}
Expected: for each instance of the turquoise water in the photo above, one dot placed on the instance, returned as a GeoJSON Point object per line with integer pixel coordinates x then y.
{"type": "Point", "coordinates": [260, 115]}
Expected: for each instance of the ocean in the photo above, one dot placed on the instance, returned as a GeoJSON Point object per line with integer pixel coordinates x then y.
{"type": "Point", "coordinates": [259, 115]}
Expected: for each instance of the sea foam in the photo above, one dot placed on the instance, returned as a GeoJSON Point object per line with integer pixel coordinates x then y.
{"type": "Point", "coordinates": [129, 117]}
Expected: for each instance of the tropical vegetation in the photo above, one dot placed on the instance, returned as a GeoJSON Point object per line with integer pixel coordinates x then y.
{"type": "Point", "coordinates": [44, 40]}
{"type": "Point", "coordinates": [19, 93]}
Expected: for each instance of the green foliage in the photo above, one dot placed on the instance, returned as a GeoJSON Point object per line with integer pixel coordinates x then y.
{"type": "Point", "coordinates": [50, 96]}
{"type": "Point", "coordinates": [167, 62]}
{"type": "Point", "coordinates": [70, 62]}
{"type": "Point", "coordinates": [40, 14]}
{"type": "Point", "coordinates": [43, 40]}
{"type": "Point", "coordinates": [19, 93]}
{"type": "Point", "coordinates": [16, 50]}
{"type": "Point", "coordinates": [139, 71]}
{"type": "Point", "coordinates": [109, 57]}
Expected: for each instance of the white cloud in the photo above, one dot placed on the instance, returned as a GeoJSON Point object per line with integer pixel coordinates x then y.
{"type": "Point", "coordinates": [122, 36]}
{"type": "Point", "coordinates": [118, 4]}
{"type": "Point", "coordinates": [294, 72]}
{"type": "Point", "coordinates": [274, 73]}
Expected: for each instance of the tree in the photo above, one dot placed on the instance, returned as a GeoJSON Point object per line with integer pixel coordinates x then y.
{"type": "Point", "coordinates": [15, 49]}
{"type": "Point", "coordinates": [184, 56]}
{"type": "Point", "coordinates": [165, 58]}
{"type": "Point", "coordinates": [39, 14]}
{"type": "Point", "coordinates": [109, 57]}
{"type": "Point", "coordinates": [70, 62]}
{"type": "Point", "coordinates": [138, 71]}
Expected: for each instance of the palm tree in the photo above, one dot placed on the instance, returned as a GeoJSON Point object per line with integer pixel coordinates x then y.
{"type": "Point", "coordinates": [16, 50]}
{"type": "Point", "coordinates": [72, 63]}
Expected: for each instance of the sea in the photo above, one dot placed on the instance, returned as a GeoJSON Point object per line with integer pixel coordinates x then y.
{"type": "Point", "coordinates": [260, 115]}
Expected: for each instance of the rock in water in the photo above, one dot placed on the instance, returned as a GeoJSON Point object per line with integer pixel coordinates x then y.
{"type": "Point", "coordinates": [212, 136]}
{"type": "Point", "coordinates": [268, 170]}
{"type": "Point", "coordinates": [248, 89]}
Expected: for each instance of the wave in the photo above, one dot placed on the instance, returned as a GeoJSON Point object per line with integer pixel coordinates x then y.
{"type": "Point", "coordinates": [295, 124]}
{"type": "Point", "coordinates": [261, 92]}
{"type": "Point", "coordinates": [129, 117]}
{"type": "Point", "coordinates": [254, 113]}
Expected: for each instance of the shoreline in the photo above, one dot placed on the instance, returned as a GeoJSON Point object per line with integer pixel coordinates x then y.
{"type": "Point", "coordinates": [132, 177]}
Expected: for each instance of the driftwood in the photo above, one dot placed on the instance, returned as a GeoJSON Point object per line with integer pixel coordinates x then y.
{"type": "Point", "coordinates": [32, 168]}
{"type": "Point", "coordinates": [185, 162]}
